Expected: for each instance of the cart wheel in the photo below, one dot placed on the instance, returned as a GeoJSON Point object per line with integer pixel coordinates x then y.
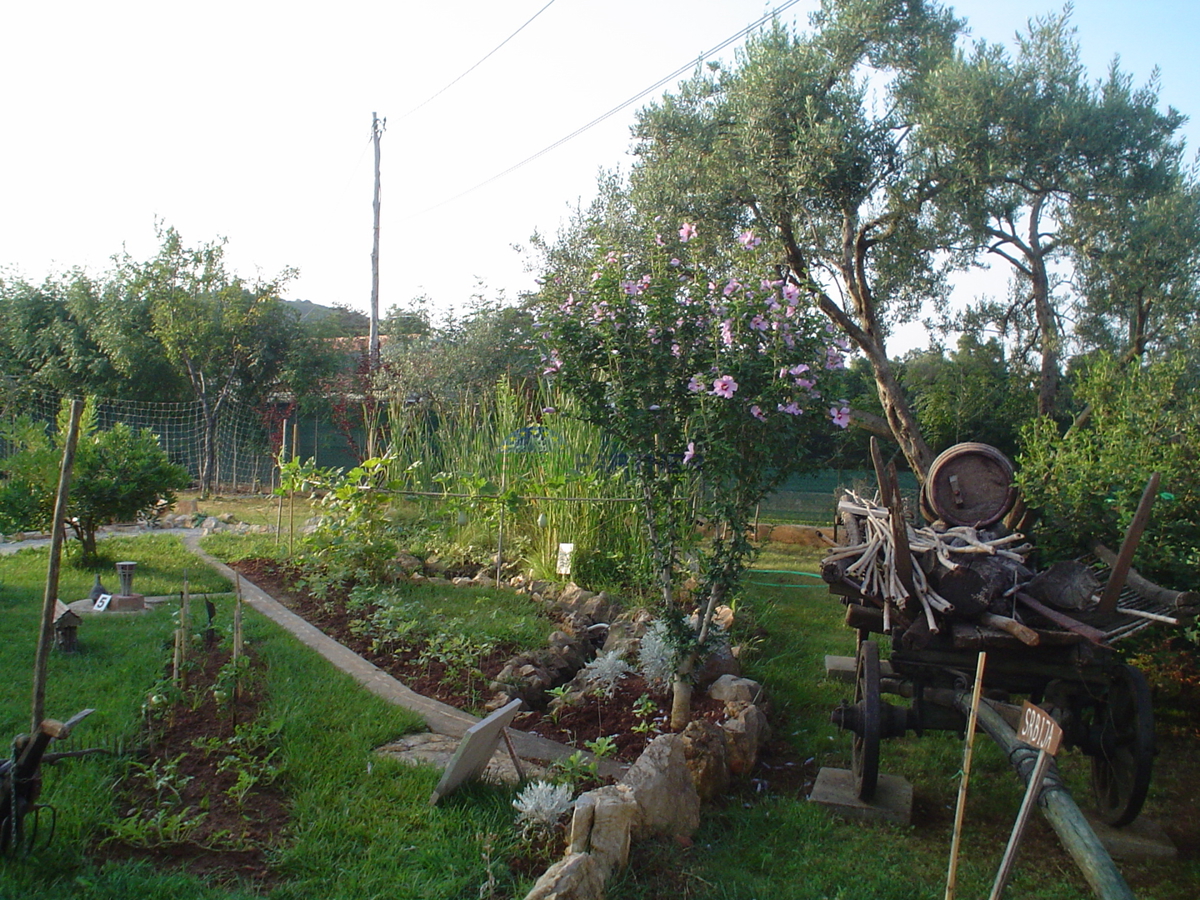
{"type": "Point", "coordinates": [864, 757]}
{"type": "Point", "coordinates": [1121, 766]}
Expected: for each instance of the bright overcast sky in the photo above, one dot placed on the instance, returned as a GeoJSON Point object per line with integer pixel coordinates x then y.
{"type": "Point", "coordinates": [251, 120]}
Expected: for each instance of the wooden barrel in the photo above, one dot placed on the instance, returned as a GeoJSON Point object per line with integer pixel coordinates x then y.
{"type": "Point", "coordinates": [969, 484]}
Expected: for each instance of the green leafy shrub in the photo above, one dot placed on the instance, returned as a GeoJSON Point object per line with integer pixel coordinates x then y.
{"type": "Point", "coordinates": [119, 474]}
{"type": "Point", "coordinates": [1087, 482]}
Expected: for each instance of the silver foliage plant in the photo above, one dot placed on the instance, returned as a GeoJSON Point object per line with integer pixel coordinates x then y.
{"type": "Point", "coordinates": [604, 672]}
{"type": "Point", "coordinates": [657, 656]}
{"type": "Point", "coordinates": [541, 805]}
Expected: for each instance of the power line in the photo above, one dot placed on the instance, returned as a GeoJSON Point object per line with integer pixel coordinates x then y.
{"type": "Point", "coordinates": [612, 112]}
{"type": "Point", "coordinates": [477, 65]}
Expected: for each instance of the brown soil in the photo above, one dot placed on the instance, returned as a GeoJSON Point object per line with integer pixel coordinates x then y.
{"type": "Point", "coordinates": [228, 837]}
{"type": "Point", "coordinates": [598, 717]}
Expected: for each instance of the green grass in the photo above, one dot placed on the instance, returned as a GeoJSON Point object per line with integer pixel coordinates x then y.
{"type": "Point", "coordinates": [361, 826]}
{"type": "Point", "coordinates": [765, 844]}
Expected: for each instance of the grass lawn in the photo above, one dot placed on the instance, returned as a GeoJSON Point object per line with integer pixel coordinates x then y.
{"type": "Point", "coordinates": [361, 827]}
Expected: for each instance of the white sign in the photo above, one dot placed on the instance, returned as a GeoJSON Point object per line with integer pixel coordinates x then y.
{"type": "Point", "coordinates": [565, 554]}
{"type": "Point", "coordinates": [1039, 730]}
{"type": "Point", "coordinates": [101, 603]}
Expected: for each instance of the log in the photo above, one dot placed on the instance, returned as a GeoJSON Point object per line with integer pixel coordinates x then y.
{"type": "Point", "coordinates": [1146, 588]}
{"type": "Point", "coordinates": [863, 618]}
{"type": "Point", "coordinates": [1057, 806]}
{"type": "Point", "coordinates": [1023, 633]}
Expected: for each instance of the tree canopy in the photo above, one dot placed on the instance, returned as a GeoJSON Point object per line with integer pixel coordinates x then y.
{"type": "Point", "coordinates": [877, 155]}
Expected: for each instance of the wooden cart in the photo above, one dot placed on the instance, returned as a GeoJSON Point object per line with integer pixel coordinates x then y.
{"type": "Point", "coordinates": [1064, 663]}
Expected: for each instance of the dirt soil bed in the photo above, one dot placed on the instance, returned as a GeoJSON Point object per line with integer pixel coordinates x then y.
{"type": "Point", "coordinates": [599, 716]}
{"type": "Point", "coordinates": [181, 801]}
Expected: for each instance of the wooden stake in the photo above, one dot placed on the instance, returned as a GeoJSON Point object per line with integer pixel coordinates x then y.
{"type": "Point", "coordinates": [185, 607]}
{"type": "Point", "coordinates": [282, 459]}
{"type": "Point", "coordinates": [292, 495]}
{"type": "Point", "coordinates": [960, 811]}
{"type": "Point", "coordinates": [46, 636]}
{"type": "Point", "coordinates": [237, 639]}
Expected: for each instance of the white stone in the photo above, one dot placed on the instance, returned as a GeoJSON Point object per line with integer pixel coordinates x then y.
{"type": "Point", "coordinates": [575, 877]}
{"type": "Point", "coordinates": [731, 687]}
{"type": "Point", "coordinates": [662, 785]}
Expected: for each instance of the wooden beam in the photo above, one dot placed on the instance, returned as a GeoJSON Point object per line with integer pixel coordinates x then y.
{"type": "Point", "coordinates": [1057, 805]}
{"type": "Point", "coordinates": [1133, 534]}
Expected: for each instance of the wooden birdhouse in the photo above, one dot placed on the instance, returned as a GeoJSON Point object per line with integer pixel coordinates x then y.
{"type": "Point", "coordinates": [66, 627]}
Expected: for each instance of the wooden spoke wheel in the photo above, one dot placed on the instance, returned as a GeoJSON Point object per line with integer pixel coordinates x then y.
{"type": "Point", "coordinates": [1122, 760]}
{"type": "Point", "coordinates": [864, 756]}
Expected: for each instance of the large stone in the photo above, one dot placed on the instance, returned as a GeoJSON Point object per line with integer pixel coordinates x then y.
{"type": "Point", "coordinates": [668, 803]}
{"type": "Point", "coordinates": [598, 608]}
{"type": "Point", "coordinates": [720, 663]}
{"type": "Point", "coordinates": [706, 754]}
{"type": "Point", "coordinates": [573, 596]}
{"type": "Point", "coordinates": [731, 687]}
{"type": "Point", "coordinates": [747, 730]}
{"type": "Point", "coordinates": [408, 564]}
{"type": "Point", "coordinates": [575, 877]}
{"type": "Point", "coordinates": [602, 825]}
{"type": "Point", "coordinates": [625, 634]}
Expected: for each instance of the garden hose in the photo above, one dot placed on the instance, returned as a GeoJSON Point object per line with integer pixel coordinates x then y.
{"type": "Point", "coordinates": [783, 572]}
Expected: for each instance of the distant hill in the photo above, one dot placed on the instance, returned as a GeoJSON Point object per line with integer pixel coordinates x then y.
{"type": "Point", "coordinates": [340, 320]}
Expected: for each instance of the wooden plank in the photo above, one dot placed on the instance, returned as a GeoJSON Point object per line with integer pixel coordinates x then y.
{"type": "Point", "coordinates": [1095, 635]}
{"type": "Point", "coordinates": [476, 748]}
{"type": "Point", "coordinates": [1133, 534]}
{"type": "Point", "coordinates": [1144, 587]}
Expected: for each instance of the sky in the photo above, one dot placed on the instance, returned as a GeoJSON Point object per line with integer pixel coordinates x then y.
{"type": "Point", "coordinates": [251, 121]}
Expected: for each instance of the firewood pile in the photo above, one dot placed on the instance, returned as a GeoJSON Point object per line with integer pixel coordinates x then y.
{"type": "Point", "coordinates": [964, 586]}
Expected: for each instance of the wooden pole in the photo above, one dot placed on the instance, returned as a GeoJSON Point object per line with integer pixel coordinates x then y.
{"type": "Point", "coordinates": [237, 639]}
{"type": "Point", "coordinates": [960, 811]}
{"type": "Point", "coordinates": [46, 635]}
{"type": "Point", "coordinates": [185, 611]}
{"type": "Point", "coordinates": [282, 460]}
{"type": "Point", "coordinates": [500, 530]}
{"type": "Point", "coordinates": [377, 126]}
{"type": "Point", "coordinates": [292, 494]}
{"type": "Point", "coordinates": [1059, 808]}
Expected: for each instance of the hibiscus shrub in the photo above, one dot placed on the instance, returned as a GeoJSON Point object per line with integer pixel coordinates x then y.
{"type": "Point", "coordinates": [706, 375]}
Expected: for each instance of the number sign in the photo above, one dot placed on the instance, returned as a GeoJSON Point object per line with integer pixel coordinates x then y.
{"type": "Point", "coordinates": [1039, 730]}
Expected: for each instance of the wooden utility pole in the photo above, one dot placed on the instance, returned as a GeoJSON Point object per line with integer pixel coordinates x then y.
{"type": "Point", "coordinates": [46, 635]}
{"type": "Point", "coordinates": [377, 127]}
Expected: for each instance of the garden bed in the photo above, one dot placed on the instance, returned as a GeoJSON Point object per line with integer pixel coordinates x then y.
{"type": "Point", "coordinates": [624, 717]}
{"type": "Point", "coordinates": [202, 795]}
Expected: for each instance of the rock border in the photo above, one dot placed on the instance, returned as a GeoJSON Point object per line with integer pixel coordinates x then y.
{"type": "Point", "coordinates": [660, 796]}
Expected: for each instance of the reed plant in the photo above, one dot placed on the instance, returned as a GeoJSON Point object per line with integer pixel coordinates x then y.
{"type": "Point", "coordinates": [514, 469]}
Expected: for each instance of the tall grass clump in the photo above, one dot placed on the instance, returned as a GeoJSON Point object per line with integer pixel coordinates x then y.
{"type": "Point", "coordinates": [515, 467]}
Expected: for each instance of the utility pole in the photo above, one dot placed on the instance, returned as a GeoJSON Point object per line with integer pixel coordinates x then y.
{"type": "Point", "coordinates": [377, 127]}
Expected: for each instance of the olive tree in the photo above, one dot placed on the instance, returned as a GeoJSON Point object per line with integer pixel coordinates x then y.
{"type": "Point", "coordinates": [806, 139]}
